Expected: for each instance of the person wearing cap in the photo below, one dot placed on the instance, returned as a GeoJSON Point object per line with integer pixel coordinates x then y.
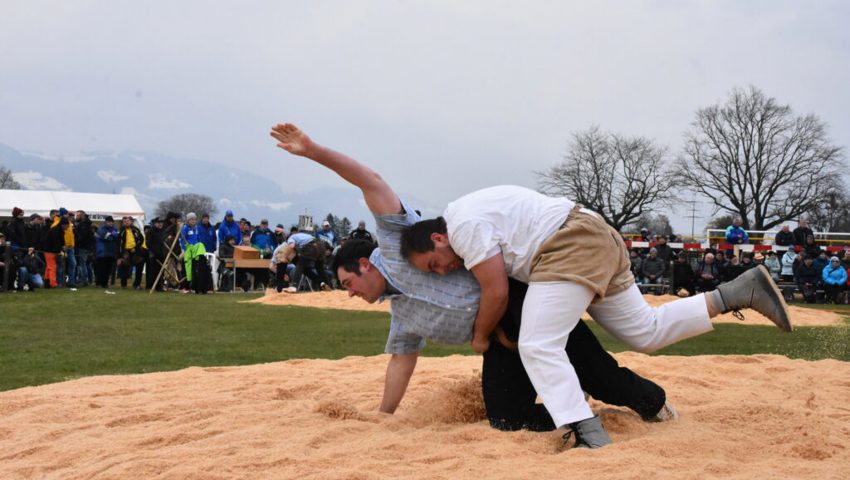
{"type": "Point", "coordinates": [16, 230]}
{"type": "Point", "coordinates": [834, 279]}
{"type": "Point", "coordinates": [327, 234]}
{"type": "Point", "coordinates": [207, 233]}
{"type": "Point", "coordinates": [67, 262]}
{"type": "Point", "coordinates": [279, 234]}
{"type": "Point", "coordinates": [360, 232]}
{"type": "Point", "coordinates": [808, 279]}
{"type": "Point", "coordinates": [652, 269]}
{"type": "Point", "coordinates": [263, 239]}
{"type": "Point", "coordinates": [229, 226]}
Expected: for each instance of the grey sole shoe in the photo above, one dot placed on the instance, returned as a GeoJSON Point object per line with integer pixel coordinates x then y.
{"type": "Point", "coordinates": [755, 289]}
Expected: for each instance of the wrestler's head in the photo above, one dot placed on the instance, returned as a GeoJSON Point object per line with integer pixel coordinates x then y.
{"type": "Point", "coordinates": [426, 246]}
{"type": "Point", "coordinates": [356, 273]}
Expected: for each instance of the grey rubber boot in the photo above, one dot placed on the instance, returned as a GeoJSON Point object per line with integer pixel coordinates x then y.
{"type": "Point", "coordinates": [589, 433]}
{"type": "Point", "coordinates": [755, 289]}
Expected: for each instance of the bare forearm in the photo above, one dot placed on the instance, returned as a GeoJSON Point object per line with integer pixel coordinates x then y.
{"type": "Point", "coordinates": [491, 309]}
{"type": "Point", "coordinates": [399, 371]}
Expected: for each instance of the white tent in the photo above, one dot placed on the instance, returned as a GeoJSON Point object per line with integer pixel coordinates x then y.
{"type": "Point", "coordinates": [96, 205]}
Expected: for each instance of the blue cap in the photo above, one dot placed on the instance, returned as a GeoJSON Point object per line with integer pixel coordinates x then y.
{"type": "Point", "coordinates": [63, 211]}
{"type": "Point", "coordinates": [228, 213]}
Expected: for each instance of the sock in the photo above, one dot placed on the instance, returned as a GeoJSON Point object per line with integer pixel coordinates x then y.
{"type": "Point", "coordinates": [716, 300]}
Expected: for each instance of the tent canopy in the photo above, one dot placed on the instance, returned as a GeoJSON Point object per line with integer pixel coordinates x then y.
{"type": "Point", "coordinates": [96, 205]}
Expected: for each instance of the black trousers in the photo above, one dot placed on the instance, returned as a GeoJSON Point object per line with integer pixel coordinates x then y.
{"type": "Point", "coordinates": [103, 268]}
{"type": "Point", "coordinates": [509, 396]}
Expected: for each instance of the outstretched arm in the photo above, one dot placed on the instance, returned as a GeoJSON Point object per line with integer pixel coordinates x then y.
{"type": "Point", "coordinates": [399, 371]}
{"type": "Point", "coordinates": [379, 197]}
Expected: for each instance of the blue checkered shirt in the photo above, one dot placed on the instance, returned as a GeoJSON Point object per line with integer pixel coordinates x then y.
{"type": "Point", "coordinates": [423, 305]}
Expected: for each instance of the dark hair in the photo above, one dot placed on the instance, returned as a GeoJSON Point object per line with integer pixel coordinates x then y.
{"type": "Point", "coordinates": [349, 255]}
{"type": "Point", "coordinates": [417, 237]}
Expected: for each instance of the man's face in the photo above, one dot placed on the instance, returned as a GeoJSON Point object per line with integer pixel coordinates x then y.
{"type": "Point", "coordinates": [126, 222]}
{"type": "Point", "coordinates": [709, 259]}
{"type": "Point", "coordinates": [442, 260]}
{"type": "Point", "coordinates": [785, 228]}
{"type": "Point", "coordinates": [206, 221]}
{"type": "Point", "coordinates": [369, 285]}
{"type": "Point", "coordinates": [737, 222]}
{"type": "Point", "coordinates": [804, 223]}
{"type": "Point", "coordinates": [653, 254]}
{"type": "Point", "coordinates": [157, 225]}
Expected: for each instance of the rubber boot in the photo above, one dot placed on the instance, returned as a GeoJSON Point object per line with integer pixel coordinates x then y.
{"type": "Point", "coordinates": [755, 289]}
{"type": "Point", "coordinates": [589, 433]}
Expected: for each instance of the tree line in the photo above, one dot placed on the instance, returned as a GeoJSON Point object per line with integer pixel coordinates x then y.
{"type": "Point", "coordinates": [750, 157]}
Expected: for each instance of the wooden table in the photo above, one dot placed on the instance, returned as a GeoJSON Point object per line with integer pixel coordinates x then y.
{"type": "Point", "coordinates": [234, 263]}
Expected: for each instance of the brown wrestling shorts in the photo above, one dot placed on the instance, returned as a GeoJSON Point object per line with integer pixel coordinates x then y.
{"type": "Point", "coordinates": [585, 250]}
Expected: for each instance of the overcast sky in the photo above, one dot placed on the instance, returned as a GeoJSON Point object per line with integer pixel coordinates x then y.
{"type": "Point", "coordinates": [440, 97]}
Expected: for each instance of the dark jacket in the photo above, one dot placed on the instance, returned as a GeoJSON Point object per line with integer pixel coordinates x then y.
{"type": "Point", "coordinates": [33, 264]}
{"type": "Point", "coordinates": [232, 229]}
{"type": "Point", "coordinates": [683, 274]}
{"type": "Point", "coordinates": [360, 234]}
{"type": "Point", "coordinates": [652, 266]}
{"type": "Point", "coordinates": [55, 240]}
{"type": "Point", "coordinates": [808, 274]}
{"type": "Point", "coordinates": [156, 242]}
{"type": "Point", "coordinates": [34, 236]}
{"type": "Point", "coordinates": [784, 239]}
{"type": "Point", "coordinates": [16, 232]}
{"type": "Point", "coordinates": [800, 235]}
{"type": "Point", "coordinates": [85, 235]}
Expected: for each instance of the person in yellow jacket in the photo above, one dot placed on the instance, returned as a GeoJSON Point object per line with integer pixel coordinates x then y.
{"type": "Point", "coordinates": [132, 251]}
{"type": "Point", "coordinates": [68, 267]}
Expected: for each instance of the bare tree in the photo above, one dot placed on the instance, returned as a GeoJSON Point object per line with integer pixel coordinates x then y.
{"type": "Point", "coordinates": [184, 203]}
{"type": "Point", "coordinates": [753, 158]}
{"type": "Point", "coordinates": [832, 212]}
{"type": "Point", "coordinates": [656, 224]}
{"type": "Point", "coordinates": [618, 177]}
{"type": "Point", "coordinates": [7, 181]}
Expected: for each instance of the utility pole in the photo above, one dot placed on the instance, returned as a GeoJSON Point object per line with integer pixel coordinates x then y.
{"type": "Point", "coordinates": [693, 215]}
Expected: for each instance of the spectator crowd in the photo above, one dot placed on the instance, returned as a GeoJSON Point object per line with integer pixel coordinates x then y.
{"type": "Point", "coordinates": [799, 265]}
{"type": "Point", "coordinates": [67, 250]}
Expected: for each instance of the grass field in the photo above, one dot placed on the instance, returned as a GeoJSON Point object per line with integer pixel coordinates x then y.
{"type": "Point", "coordinates": [54, 335]}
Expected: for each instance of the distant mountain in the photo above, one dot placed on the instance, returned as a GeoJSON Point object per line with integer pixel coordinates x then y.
{"type": "Point", "coordinates": [153, 177]}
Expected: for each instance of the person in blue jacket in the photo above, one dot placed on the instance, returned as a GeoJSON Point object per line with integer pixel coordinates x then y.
{"type": "Point", "coordinates": [207, 233]}
{"type": "Point", "coordinates": [735, 234]}
{"type": "Point", "coordinates": [834, 279]}
{"type": "Point", "coordinates": [263, 239]}
{"type": "Point", "coordinates": [106, 251]}
{"type": "Point", "coordinates": [229, 227]}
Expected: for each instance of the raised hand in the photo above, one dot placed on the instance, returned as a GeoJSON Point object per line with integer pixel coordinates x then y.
{"type": "Point", "coordinates": [291, 139]}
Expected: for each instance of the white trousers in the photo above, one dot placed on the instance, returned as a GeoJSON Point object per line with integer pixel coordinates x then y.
{"type": "Point", "coordinates": [552, 309]}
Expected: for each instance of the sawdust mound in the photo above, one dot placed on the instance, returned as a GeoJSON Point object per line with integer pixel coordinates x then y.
{"type": "Point", "coordinates": [742, 417]}
{"type": "Point", "coordinates": [800, 317]}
